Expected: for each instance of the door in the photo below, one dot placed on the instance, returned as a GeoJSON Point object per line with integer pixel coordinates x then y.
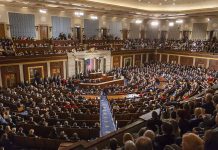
{"type": "Point", "coordinates": [104, 32]}
{"type": "Point", "coordinates": [78, 33]}
{"type": "Point", "coordinates": [2, 30]}
{"type": "Point", "coordinates": [142, 34]}
{"type": "Point", "coordinates": [125, 34]}
{"type": "Point", "coordinates": [43, 32]}
{"type": "Point", "coordinates": [163, 35]}
{"type": "Point", "coordinates": [10, 80]}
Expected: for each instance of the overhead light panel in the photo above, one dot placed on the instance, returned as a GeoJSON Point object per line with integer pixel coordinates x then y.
{"type": "Point", "coordinates": [180, 21]}
{"type": "Point", "coordinates": [94, 17]}
{"type": "Point", "coordinates": [78, 13]}
{"type": "Point", "coordinates": [171, 24]}
{"type": "Point", "coordinates": [154, 23]}
{"type": "Point", "coordinates": [43, 11]}
{"type": "Point", "coordinates": [138, 21]}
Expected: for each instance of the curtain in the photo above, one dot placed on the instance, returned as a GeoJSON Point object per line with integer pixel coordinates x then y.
{"type": "Point", "coordinates": [199, 31]}
{"type": "Point", "coordinates": [174, 33]}
{"type": "Point", "coordinates": [60, 25]}
{"type": "Point", "coordinates": [134, 31]}
{"type": "Point", "coordinates": [115, 28]}
{"type": "Point", "coordinates": [91, 28]}
{"type": "Point", "coordinates": [152, 32]}
{"type": "Point", "coordinates": [22, 25]}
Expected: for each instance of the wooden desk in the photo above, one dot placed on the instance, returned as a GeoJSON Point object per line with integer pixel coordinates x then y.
{"type": "Point", "coordinates": [95, 75]}
{"type": "Point", "coordinates": [102, 84]}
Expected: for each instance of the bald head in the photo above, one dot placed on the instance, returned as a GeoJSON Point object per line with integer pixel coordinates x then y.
{"type": "Point", "coordinates": [191, 141]}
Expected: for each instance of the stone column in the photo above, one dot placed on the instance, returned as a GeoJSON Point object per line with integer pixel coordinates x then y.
{"type": "Point", "coordinates": [49, 69]}
{"type": "Point", "coordinates": [147, 55]}
{"type": "Point", "coordinates": [168, 56]}
{"type": "Point", "coordinates": [160, 57]}
{"type": "Point", "coordinates": [94, 66]}
{"type": "Point", "coordinates": [208, 63]}
{"type": "Point", "coordinates": [112, 62]}
{"type": "Point", "coordinates": [179, 60]}
{"type": "Point", "coordinates": [193, 61]}
{"type": "Point", "coordinates": [21, 73]}
{"type": "Point", "coordinates": [82, 66]}
{"type": "Point", "coordinates": [121, 61]}
{"type": "Point", "coordinates": [133, 60]}
{"type": "Point", "coordinates": [64, 69]}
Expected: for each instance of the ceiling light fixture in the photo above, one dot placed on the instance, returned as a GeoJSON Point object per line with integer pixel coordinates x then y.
{"type": "Point", "coordinates": [43, 11]}
{"type": "Point", "coordinates": [138, 21]}
{"type": "Point", "coordinates": [171, 24]}
{"type": "Point", "coordinates": [154, 23]}
{"type": "Point", "coordinates": [94, 17]}
{"type": "Point", "coordinates": [180, 21]}
{"type": "Point", "coordinates": [78, 13]}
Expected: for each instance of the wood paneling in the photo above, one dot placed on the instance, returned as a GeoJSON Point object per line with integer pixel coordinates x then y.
{"type": "Point", "coordinates": [25, 69]}
{"type": "Point", "coordinates": [43, 32]}
{"type": "Point", "coordinates": [125, 34]}
{"type": "Point", "coordinates": [144, 58]}
{"type": "Point", "coordinates": [56, 68]}
{"type": "Point", "coordinates": [173, 59]}
{"type": "Point", "coordinates": [142, 34]}
{"type": "Point", "coordinates": [152, 57]}
{"type": "Point", "coordinates": [116, 61]}
{"type": "Point", "coordinates": [138, 60]}
{"type": "Point", "coordinates": [186, 61]}
{"type": "Point", "coordinates": [10, 75]}
{"type": "Point", "coordinates": [200, 62]}
{"type": "Point", "coordinates": [2, 30]}
{"type": "Point", "coordinates": [163, 58]}
{"type": "Point", "coordinates": [213, 64]}
{"type": "Point", "coordinates": [157, 57]}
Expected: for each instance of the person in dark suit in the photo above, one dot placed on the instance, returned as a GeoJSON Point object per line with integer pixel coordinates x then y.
{"type": "Point", "coordinates": [167, 138]}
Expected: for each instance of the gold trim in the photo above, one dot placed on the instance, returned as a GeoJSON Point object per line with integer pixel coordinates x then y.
{"type": "Point", "coordinates": [41, 67]}
{"type": "Point", "coordinates": [24, 63]}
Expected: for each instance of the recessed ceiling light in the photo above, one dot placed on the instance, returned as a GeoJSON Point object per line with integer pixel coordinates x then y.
{"type": "Point", "coordinates": [43, 11]}
{"type": "Point", "coordinates": [138, 21]}
{"type": "Point", "coordinates": [78, 13]}
{"type": "Point", "coordinates": [25, 7]}
{"type": "Point", "coordinates": [94, 17]}
{"type": "Point", "coordinates": [180, 21]}
{"type": "Point", "coordinates": [171, 24]}
{"type": "Point", "coordinates": [154, 23]}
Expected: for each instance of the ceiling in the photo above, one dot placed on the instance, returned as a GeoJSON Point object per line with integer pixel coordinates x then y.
{"type": "Point", "coordinates": [161, 9]}
{"type": "Point", "coordinates": [162, 5]}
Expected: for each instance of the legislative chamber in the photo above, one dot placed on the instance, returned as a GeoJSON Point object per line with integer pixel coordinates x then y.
{"type": "Point", "coordinates": [108, 75]}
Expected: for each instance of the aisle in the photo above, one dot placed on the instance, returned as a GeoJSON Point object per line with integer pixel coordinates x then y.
{"type": "Point", "coordinates": [106, 118]}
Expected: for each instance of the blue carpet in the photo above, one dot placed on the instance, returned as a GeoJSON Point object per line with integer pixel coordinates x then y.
{"type": "Point", "coordinates": [106, 118]}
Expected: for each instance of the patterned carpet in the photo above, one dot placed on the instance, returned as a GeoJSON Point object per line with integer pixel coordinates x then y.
{"type": "Point", "coordinates": [106, 118]}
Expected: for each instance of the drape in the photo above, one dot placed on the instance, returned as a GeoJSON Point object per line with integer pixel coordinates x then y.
{"type": "Point", "coordinates": [114, 29]}
{"type": "Point", "coordinates": [22, 25]}
{"type": "Point", "coordinates": [91, 28]}
{"type": "Point", "coordinates": [199, 31]}
{"type": "Point", "coordinates": [60, 25]}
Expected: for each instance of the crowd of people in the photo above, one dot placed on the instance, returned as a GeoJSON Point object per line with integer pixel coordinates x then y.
{"type": "Point", "coordinates": [58, 104]}
{"type": "Point", "coordinates": [9, 48]}
{"type": "Point", "coordinates": [185, 45]}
